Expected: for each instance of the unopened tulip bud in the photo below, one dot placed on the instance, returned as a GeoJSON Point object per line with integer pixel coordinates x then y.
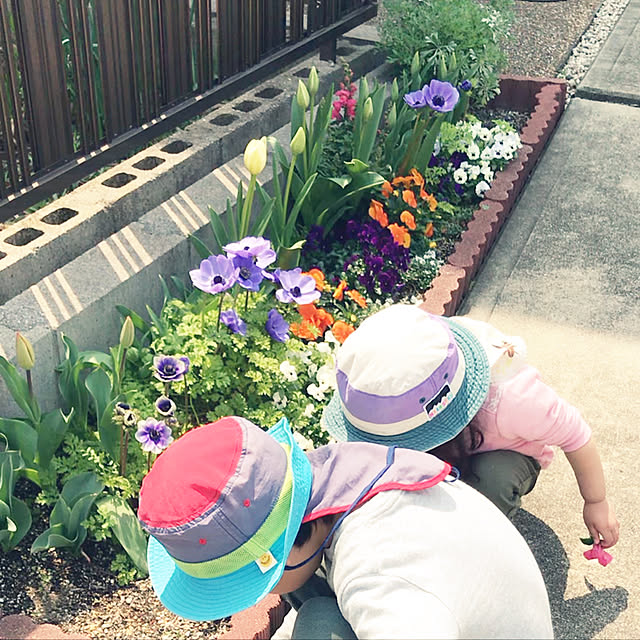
{"type": "Point", "coordinates": [364, 88]}
{"type": "Point", "coordinates": [392, 116]}
{"type": "Point", "coordinates": [395, 92]}
{"type": "Point", "coordinates": [255, 156]}
{"type": "Point", "coordinates": [415, 64]}
{"type": "Point", "coordinates": [24, 352]}
{"type": "Point", "coordinates": [302, 95]}
{"type": "Point", "coordinates": [314, 82]}
{"type": "Point", "coordinates": [298, 142]}
{"type": "Point", "coordinates": [127, 333]}
{"type": "Point", "coordinates": [367, 110]}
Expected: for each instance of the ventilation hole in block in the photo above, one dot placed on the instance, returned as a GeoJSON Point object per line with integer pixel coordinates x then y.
{"type": "Point", "coordinates": [24, 236]}
{"type": "Point", "coordinates": [344, 51]}
{"type": "Point", "coordinates": [176, 146]}
{"type": "Point", "coordinates": [59, 216]}
{"type": "Point", "coordinates": [224, 119]}
{"type": "Point", "coordinates": [269, 92]}
{"type": "Point", "coordinates": [119, 180]}
{"type": "Point", "coordinates": [2, 255]}
{"type": "Point", "coordinates": [246, 105]}
{"type": "Point", "coordinates": [150, 162]}
{"type": "Point", "coordinates": [303, 73]}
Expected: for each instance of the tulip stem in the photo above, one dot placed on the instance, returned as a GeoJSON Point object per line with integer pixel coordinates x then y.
{"type": "Point", "coordinates": [285, 202]}
{"type": "Point", "coordinates": [246, 209]}
{"type": "Point", "coordinates": [29, 382]}
{"type": "Point", "coordinates": [219, 312]}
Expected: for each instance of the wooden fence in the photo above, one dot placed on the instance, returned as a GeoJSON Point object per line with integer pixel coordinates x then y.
{"type": "Point", "coordinates": [77, 75]}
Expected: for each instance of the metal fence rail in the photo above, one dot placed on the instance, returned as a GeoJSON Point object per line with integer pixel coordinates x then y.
{"type": "Point", "coordinates": [80, 78]}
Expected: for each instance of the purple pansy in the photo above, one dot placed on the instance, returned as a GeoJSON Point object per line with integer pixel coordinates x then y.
{"type": "Point", "coordinates": [154, 436]}
{"type": "Point", "coordinates": [296, 287]}
{"type": "Point", "coordinates": [165, 406]}
{"type": "Point", "coordinates": [258, 249]}
{"type": "Point", "coordinates": [234, 321]}
{"type": "Point", "coordinates": [216, 274]}
{"type": "Point", "coordinates": [170, 368]}
{"type": "Point", "coordinates": [277, 327]}
{"type": "Point", "coordinates": [415, 99]}
{"type": "Point", "coordinates": [250, 275]}
{"type": "Point", "coordinates": [440, 96]}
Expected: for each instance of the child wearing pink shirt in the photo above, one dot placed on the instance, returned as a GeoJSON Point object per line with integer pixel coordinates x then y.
{"type": "Point", "coordinates": [461, 389]}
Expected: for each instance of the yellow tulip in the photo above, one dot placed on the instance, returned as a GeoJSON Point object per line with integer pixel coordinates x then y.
{"type": "Point", "coordinates": [302, 95]}
{"type": "Point", "coordinates": [314, 82]}
{"type": "Point", "coordinates": [127, 333]}
{"type": "Point", "coordinates": [255, 156]}
{"type": "Point", "coordinates": [298, 142]}
{"type": "Point", "coordinates": [367, 110]}
{"type": "Point", "coordinates": [24, 352]}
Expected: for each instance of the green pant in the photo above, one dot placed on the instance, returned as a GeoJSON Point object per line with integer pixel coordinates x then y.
{"type": "Point", "coordinates": [503, 477]}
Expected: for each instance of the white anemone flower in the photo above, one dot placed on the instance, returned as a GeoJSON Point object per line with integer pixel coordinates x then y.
{"type": "Point", "coordinates": [460, 176]}
{"type": "Point", "coordinates": [288, 371]}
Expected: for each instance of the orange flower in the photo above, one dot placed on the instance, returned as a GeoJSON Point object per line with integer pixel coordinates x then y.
{"type": "Point", "coordinates": [400, 234]}
{"type": "Point", "coordinates": [357, 297]}
{"type": "Point", "coordinates": [376, 211]}
{"type": "Point", "coordinates": [387, 189]}
{"type": "Point", "coordinates": [318, 276]}
{"type": "Point", "coordinates": [431, 201]}
{"type": "Point", "coordinates": [417, 177]}
{"type": "Point", "coordinates": [409, 197]}
{"type": "Point", "coordinates": [338, 294]}
{"type": "Point", "coordinates": [342, 330]}
{"type": "Point", "coordinates": [408, 219]}
{"type": "Point", "coordinates": [429, 230]}
{"type": "Point", "coordinates": [307, 311]}
{"type": "Point", "coordinates": [304, 330]}
{"type": "Point", "coordinates": [314, 323]}
{"type": "Point", "coordinates": [322, 320]}
{"type": "Point", "coordinates": [404, 181]}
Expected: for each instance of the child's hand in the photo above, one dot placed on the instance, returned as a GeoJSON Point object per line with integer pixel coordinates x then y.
{"type": "Point", "coordinates": [601, 522]}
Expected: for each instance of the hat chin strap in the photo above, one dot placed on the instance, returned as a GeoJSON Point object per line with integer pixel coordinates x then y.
{"type": "Point", "coordinates": [390, 458]}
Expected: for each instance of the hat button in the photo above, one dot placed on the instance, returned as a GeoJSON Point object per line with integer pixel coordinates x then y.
{"type": "Point", "coordinates": [265, 559]}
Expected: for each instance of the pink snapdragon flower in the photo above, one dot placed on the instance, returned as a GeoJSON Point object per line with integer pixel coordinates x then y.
{"type": "Point", "coordinates": [345, 105]}
{"type": "Point", "coordinates": [599, 554]}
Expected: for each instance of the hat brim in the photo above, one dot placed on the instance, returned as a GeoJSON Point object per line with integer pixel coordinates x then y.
{"type": "Point", "coordinates": [214, 598]}
{"type": "Point", "coordinates": [443, 427]}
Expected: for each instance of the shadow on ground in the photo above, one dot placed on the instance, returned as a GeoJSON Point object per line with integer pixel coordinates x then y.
{"type": "Point", "coordinates": [580, 618]}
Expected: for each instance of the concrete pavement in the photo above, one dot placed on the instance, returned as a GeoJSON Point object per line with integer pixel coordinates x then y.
{"type": "Point", "coordinates": [564, 275]}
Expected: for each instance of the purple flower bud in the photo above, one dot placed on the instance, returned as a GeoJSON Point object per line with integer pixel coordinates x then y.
{"type": "Point", "coordinates": [234, 321]}
{"type": "Point", "coordinates": [165, 406]}
{"type": "Point", "coordinates": [277, 327]}
{"type": "Point", "coordinates": [466, 85]}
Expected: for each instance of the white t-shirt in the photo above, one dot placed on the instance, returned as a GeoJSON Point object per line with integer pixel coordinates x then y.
{"type": "Point", "coordinates": [438, 563]}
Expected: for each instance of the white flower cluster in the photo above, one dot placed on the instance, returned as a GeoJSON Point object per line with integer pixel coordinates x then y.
{"type": "Point", "coordinates": [487, 150]}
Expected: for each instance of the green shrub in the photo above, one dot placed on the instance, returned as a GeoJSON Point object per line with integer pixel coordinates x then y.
{"type": "Point", "coordinates": [471, 30]}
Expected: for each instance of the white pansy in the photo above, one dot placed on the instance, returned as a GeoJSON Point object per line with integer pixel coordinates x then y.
{"type": "Point", "coordinates": [288, 371]}
{"type": "Point", "coordinates": [315, 392]}
{"type": "Point", "coordinates": [326, 377]}
{"type": "Point", "coordinates": [460, 176]}
{"type": "Point", "coordinates": [304, 443]}
{"type": "Point", "coordinates": [280, 400]}
{"type": "Point", "coordinates": [324, 347]}
{"type": "Point", "coordinates": [474, 171]}
{"type": "Point", "coordinates": [484, 134]}
{"type": "Point", "coordinates": [487, 154]}
{"type": "Point", "coordinates": [311, 369]}
{"type": "Point", "coordinates": [473, 151]}
{"type": "Point", "coordinates": [464, 165]}
{"type": "Point", "coordinates": [329, 337]}
{"type": "Point", "coordinates": [487, 175]}
{"type": "Point", "coordinates": [309, 409]}
{"type": "Point", "coordinates": [481, 187]}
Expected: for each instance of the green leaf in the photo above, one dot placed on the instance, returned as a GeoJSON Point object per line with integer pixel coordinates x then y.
{"type": "Point", "coordinates": [588, 540]}
{"type": "Point", "coordinates": [126, 527]}
{"type": "Point", "coordinates": [21, 517]}
{"type": "Point", "coordinates": [52, 538]}
{"type": "Point", "coordinates": [51, 431]}
{"type": "Point", "coordinates": [219, 230]}
{"type": "Point", "coordinates": [19, 390]}
{"type": "Point", "coordinates": [22, 437]}
{"type": "Point", "coordinates": [98, 384]}
{"type": "Point", "coordinates": [138, 321]}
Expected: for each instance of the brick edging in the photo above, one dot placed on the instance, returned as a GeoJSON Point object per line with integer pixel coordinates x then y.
{"type": "Point", "coordinates": [544, 98]}
{"type": "Point", "coordinates": [259, 622]}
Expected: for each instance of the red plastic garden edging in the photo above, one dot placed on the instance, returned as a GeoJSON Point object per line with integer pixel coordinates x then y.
{"type": "Point", "coordinates": [544, 98]}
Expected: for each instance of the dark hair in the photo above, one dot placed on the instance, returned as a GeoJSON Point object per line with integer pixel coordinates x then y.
{"type": "Point", "coordinates": [458, 450]}
{"type": "Point", "coordinates": [306, 529]}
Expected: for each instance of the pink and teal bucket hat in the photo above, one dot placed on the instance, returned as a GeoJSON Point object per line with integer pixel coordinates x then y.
{"type": "Point", "coordinates": [221, 526]}
{"type": "Point", "coordinates": [409, 378]}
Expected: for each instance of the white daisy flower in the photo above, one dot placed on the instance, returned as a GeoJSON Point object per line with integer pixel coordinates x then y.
{"type": "Point", "coordinates": [460, 176]}
{"type": "Point", "coordinates": [481, 187]}
{"type": "Point", "coordinates": [288, 371]}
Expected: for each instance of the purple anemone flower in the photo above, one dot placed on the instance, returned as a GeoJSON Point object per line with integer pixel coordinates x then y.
{"type": "Point", "coordinates": [296, 287]}
{"type": "Point", "coordinates": [415, 99]}
{"type": "Point", "coordinates": [440, 96]}
{"type": "Point", "coordinates": [234, 321]}
{"type": "Point", "coordinates": [277, 327]}
{"type": "Point", "coordinates": [258, 249]}
{"type": "Point", "coordinates": [466, 85]}
{"type": "Point", "coordinates": [216, 274]}
{"type": "Point", "coordinates": [154, 436]}
{"type": "Point", "coordinates": [250, 275]}
{"type": "Point", "coordinates": [170, 368]}
{"type": "Point", "coordinates": [165, 406]}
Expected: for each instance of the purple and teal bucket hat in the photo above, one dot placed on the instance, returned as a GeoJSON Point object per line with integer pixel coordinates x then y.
{"type": "Point", "coordinates": [409, 378]}
{"type": "Point", "coordinates": [221, 525]}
